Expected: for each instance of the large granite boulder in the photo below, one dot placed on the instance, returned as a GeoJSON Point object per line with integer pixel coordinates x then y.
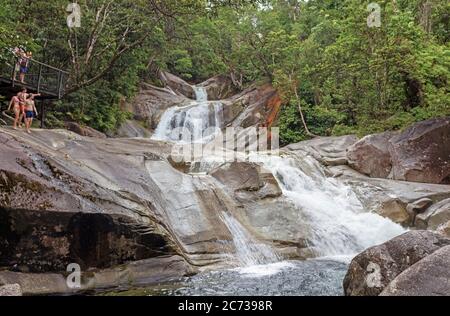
{"type": "Point", "coordinates": [435, 216]}
{"type": "Point", "coordinates": [331, 151]}
{"type": "Point", "coordinates": [151, 102]}
{"type": "Point", "coordinates": [420, 153]}
{"type": "Point", "coordinates": [371, 156]}
{"type": "Point", "coordinates": [177, 85]}
{"type": "Point", "coordinates": [374, 269]}
{"type": "Point", "coordinates": [219, 88]}
{"type": "Point", "coordinates": [428, 277]}
{"type": "Point", "coordinates": [248, 181]}
{"type": "Point", "coordinates": [255, 106]}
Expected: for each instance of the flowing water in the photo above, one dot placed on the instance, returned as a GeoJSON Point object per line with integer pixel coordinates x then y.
{"type": "Point", "coordinates": [248, 251]}
{"type": "Point", "coordinates": [199, 121]}
{"type": "Point", "coordinates": [339, 225]}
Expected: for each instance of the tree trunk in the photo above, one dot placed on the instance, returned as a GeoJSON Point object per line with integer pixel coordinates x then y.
{"type": "Point", "coordinates": [308, 132]}
{"type": "Point", "coordinates": [425, 11]}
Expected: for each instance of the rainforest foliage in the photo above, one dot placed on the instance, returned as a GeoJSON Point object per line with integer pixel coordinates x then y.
{"type": "Point", "coordinates": [337, 70]}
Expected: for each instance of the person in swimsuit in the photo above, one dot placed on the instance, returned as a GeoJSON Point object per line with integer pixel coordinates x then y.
{"type": "Point", "coordinates": [23, 96]}
{"type": "Point", "coordinates": [14, 105]}
{"type": "Point", "coordinates": [19, 53]}
{"type": "Point", "coordinates": [24, 65]}
{"type": "Point", "coordinates": [30, 111]}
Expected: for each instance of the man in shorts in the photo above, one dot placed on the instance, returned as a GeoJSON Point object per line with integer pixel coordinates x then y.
{"type": "Point", "coordinates": [30, 111]}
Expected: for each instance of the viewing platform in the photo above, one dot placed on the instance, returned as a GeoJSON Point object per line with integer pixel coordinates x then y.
{"type": "Point", "coordinates": [41, 78]}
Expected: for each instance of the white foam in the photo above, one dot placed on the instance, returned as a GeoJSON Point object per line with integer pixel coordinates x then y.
{"type": "Point", "coordinates": [258, 271]}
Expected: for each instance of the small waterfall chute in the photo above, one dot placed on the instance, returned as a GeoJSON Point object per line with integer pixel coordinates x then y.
{"type": "Point", "coordinates": [249, 252]}
{"type": "Point", "coordinates": [199, 121]}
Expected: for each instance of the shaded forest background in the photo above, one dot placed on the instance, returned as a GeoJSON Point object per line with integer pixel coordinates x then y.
{"type": "Point", "coordinates": [326, 62]}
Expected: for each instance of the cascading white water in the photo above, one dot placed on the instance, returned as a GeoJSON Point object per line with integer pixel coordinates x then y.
{"type": "Point", "coordinates": [249, 252]}
{"type": "Point", "coordinates": [201, 95]}
{"type": "Point", "coordinates": [199, 121]}
{"type": "Point", "coordinates": [338, 222]}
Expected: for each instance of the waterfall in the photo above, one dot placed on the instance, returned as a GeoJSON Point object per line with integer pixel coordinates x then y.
{"type": "Point", "coordinates": [199, 121]}
{"type": "Point", "coordinates": [338, 222]}
{"type": "Point", "coordinates": [201, 94]}
{"type": "Point", "coordinates": [248, 251]}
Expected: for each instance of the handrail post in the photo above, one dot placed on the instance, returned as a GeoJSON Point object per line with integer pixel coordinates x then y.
{"type": "Point", "coordinates": [42, 114]}
{"type": "Point", "coordinates": [39, 79]}
{"type": "Point", "coordinates": [60, 76]}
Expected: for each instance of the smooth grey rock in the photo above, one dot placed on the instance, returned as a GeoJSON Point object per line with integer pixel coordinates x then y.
{"type": "Point", "coordinates": [396, 211]}
{"type": "Point", "coordinates": [84, 130]}
{"type": "Point", "coordinates": [131, 128]}
{"type": "Point", "coordinates": [135, 274]}
{"type": "Point", "coordinates": [332, 151]}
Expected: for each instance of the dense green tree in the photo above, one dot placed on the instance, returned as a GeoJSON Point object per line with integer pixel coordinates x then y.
{"type": "Point", "coordinates": [335, 73]}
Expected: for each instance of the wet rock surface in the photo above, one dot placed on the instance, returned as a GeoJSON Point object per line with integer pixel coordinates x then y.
{"type": "Point", "coordinates": [247, 180]}
{"type": "Point", "coordinates": [255, 106]}
{"type": "Point", "coordinates": [123, 277]}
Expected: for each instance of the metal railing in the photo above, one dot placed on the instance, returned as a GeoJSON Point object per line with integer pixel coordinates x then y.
{"type": "Point", "coordinates": [40, 77]}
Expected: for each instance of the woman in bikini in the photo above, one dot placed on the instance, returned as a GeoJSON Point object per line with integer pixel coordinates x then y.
{"type": "Point", "coordinates": [14, 105]}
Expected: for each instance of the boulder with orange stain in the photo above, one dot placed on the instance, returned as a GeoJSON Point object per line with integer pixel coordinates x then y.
{"type": "Point", "coordinates": [256, 106]}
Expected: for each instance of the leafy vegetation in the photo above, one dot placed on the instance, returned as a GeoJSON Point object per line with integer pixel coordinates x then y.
{"type": "Point", "coordinates": [336, 74]}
